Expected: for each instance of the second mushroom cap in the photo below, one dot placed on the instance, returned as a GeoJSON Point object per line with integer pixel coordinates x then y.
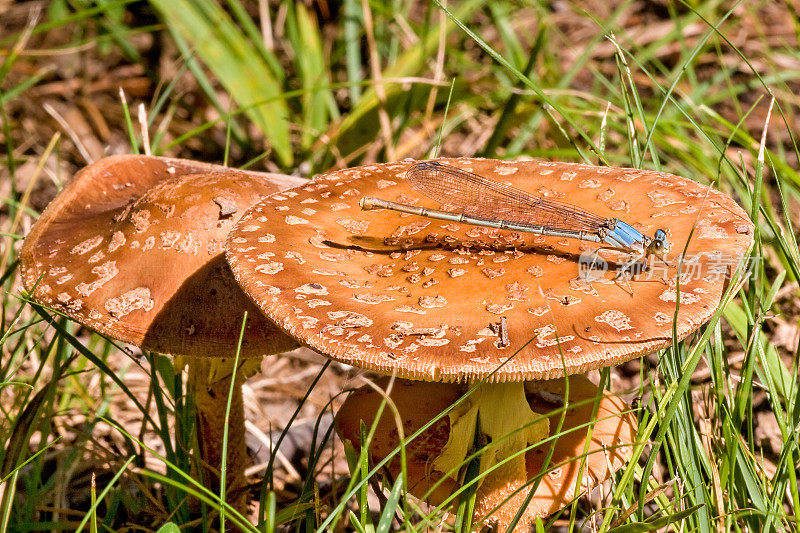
{"type": "Point", "coordinates": [133, 249]}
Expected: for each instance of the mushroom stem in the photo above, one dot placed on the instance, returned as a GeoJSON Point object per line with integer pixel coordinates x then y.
{"type": "Point", "coordinates": [210, 383]}
{"type": "Point", "coordinates": [501, 494]}
{"type": "Point", "coordinates": [505, 417]}
{"type": "Point", "coordinates": [504, 488]}
{"type": "Point", "coordinates": [506, 420]}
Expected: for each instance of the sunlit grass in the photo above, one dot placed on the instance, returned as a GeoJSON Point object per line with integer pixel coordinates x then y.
{"type": "Point", "coordinates": [314, 94]}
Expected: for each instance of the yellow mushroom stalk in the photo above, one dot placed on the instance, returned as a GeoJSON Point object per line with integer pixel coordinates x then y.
{"type": "Point", "coordinates": [503, 415]}
{"type": "Point", "coordinates": [503, 490]}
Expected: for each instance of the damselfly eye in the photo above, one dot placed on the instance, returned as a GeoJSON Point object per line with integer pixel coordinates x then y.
{"type": "Point", "coordinates": [658, 247]}
{"type": "Point", "coordinates": [659, 242]}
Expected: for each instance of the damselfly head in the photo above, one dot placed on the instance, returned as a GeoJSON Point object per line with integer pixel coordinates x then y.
{"type": "Point", "coordinates": [658, 245]}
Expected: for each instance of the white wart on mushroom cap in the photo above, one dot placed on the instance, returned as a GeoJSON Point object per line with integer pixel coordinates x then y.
{"type": "Point", "coordinates": [132, 248]}
{"type": "Point", "coordinates": [426, 298]}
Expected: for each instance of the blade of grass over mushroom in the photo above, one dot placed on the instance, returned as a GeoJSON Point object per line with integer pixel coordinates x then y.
{"type": "Point", "coordinates": [387, 516]}
{"type": "Point", "coordinates": [236, 64]}
{"type": "Point", "coordinates": [436, 488]}
{"type": "Point", "coordinates": [670, 401]}
{"type": "Point", "coordinates": [358, 460]}
{"type": "Point", "coordinates": [356, 485]}
{"type": "Point", "coordinates": [227, 423]}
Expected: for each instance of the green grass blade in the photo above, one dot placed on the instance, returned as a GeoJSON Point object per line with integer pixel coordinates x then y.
{"type": "Point", "coordinates": [657, 524]}
{"type": "Point", "coordinates": [353, 59]}
{"type": "Point", "coordinates": [317, 100]}
{"type": "Point", "coordinates": [93, 509]}
{"type": "Point", "coordinates": [387, 515]}
{"type": "Point", "coordinates": [409, 63]}
{"type": "Point", "coordinates": [237, 65]}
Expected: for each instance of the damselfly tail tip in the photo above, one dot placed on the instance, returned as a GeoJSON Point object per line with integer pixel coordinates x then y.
{"type": "Point", "coordinates": [367, 203]}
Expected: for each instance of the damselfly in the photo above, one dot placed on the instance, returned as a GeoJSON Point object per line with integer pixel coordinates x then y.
{"type": "Point", "coordinates": [480, 201]}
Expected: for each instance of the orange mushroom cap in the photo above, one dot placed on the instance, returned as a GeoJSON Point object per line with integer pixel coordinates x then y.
{"type": "Point", "coordinates": [436, 300]}
{"type": "Point", "coordinates": [498, 500]}
{"type": "Point", "coordinates": [132, 248]}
